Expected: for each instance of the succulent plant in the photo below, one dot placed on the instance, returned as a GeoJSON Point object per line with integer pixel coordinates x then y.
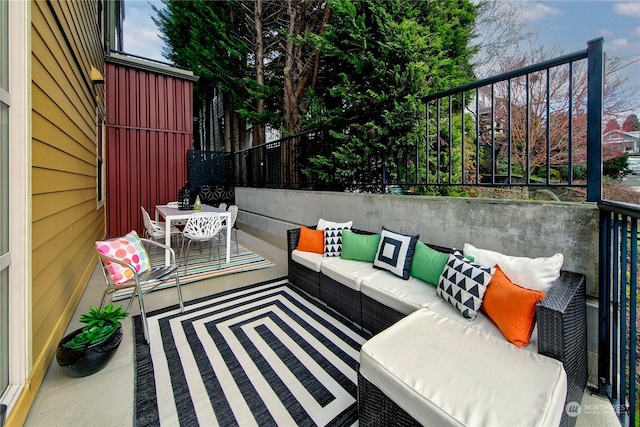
{"type": "Point", "coordinates": [101, 323]}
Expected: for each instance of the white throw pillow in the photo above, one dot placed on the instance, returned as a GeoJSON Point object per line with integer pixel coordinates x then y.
{"type": "Point", "coordinates": [532, 273]}
{"type": "Point", "coordinates": [323, 225]}
{"type": "Point", "coordinates": [333, 241]}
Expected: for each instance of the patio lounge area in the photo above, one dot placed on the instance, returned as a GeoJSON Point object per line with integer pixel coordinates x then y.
{"type": "Point", "coordinates": [63, 400]}
{"type": "Point", "coordinates": [67, 187]}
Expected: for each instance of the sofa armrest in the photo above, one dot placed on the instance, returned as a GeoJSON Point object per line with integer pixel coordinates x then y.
{"type": "Point", "coordinates": [562, 329]}
{"type": "Point", "coordinates": [293, 236]}
{"type": "Point", "coordinates": [561, 316]}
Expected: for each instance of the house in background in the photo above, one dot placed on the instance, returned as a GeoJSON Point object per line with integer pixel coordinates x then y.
{"type": "Point", "coordinates": [54, 169]}
{"type": "Point", "coordinates": [629, 140]}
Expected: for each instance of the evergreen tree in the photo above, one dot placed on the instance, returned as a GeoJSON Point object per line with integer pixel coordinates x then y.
{"type": "Point", "coordinates": [387, 55]}
{"type": "Point", "coordinates": [255, 53]}
{"type": "Point", "coordinates": [203, 36]}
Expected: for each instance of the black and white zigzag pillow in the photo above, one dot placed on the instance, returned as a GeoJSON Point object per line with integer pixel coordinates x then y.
{"type": "Point", "coordinates": [333, 241]}
{"type": "Point", "coordinates": [463, 284]}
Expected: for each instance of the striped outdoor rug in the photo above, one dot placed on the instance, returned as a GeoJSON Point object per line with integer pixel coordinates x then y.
{"type": "Point", "coordinates": [242, 259]}
{"type": "Point", "coordinates": [261, 355]}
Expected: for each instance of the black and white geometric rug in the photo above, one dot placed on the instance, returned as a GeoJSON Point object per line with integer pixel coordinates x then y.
{"type": "Point", "coordinates": [261, 355]}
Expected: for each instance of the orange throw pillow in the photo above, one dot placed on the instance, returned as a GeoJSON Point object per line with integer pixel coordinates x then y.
{"type": "Point", "coordinates": [311, 240]}
{"type": "Point", "coordinates": [511, 307]}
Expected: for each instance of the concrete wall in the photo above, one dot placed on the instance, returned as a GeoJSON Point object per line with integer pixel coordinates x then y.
{"type": "Point", "coordinates": [519, 228]}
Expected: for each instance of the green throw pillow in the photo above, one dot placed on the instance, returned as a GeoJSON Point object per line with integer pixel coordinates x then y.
{"type": "Point", "coordinates": [359, 247]}
{"type": "Point", "coordinates": [428, 264]}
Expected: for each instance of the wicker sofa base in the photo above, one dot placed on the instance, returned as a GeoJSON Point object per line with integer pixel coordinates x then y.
{"type": "Point", "coordinates": [305, 279]}
{"type": "Point", "coordinates": [376, 409]}
{"type": "Point", "coordinates": [377, 317]}
{"type": "Point", "coordinates": [343, 299]}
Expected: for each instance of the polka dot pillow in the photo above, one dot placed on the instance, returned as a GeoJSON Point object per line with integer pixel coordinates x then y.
{"type": "Point", "coordinates": [128, 249]}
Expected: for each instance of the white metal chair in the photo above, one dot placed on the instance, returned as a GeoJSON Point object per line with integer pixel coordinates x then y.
{"type": "Point", "coordinates": [156, 230]}
{"type": "Point", "coordinates": [142, 281]}
{"type": "Point", "coordinates": [233, 210]}
{"type": "Point", "coordinates": [222, 206]}
{"type": "Point", "coordinates": [201, 227]}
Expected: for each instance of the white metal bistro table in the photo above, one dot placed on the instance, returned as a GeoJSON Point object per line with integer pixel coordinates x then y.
{"type": "Point", "coordinates": [174, 214]}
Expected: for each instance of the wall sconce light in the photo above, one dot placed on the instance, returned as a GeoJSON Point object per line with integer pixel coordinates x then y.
{"type": "Point", "coordinates": [96, 76]}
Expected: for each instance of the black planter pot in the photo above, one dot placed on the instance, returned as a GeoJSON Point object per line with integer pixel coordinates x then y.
{"type": "Point", "coordinates": [89, 360]}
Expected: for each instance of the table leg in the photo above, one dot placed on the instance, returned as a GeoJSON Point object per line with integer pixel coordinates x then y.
{"type": "Point", "coordinates": [228, 238]}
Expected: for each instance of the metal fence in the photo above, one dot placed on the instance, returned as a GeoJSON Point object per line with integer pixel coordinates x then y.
{"type": "Point", "coordinates": [618, 309]}
{"type": "Point", "coordinates": [539, 126]}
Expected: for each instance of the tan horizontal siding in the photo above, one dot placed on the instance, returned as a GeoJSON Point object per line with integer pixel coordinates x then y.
{"type": "Point", "coordinates": [58, 97]}
{"type": "Point", "coordinates": [46, 205]}
{"type": "Point", "coordinates": [79, 20]}
{"type": "Point", "coordinates": [52, 181]}
{"type": "Point", "coordinates": [67, 237]}
{"type": "Point", "coordinates": [50, 158]}
{"type": "Point", "coordinates": [47, 132]}
{"type": "Point", "coordinates": [69, 265]}
{"type": "Point", "coordinates": [65, 217]}
{"type": "Point", "coordinates": [77, 203]}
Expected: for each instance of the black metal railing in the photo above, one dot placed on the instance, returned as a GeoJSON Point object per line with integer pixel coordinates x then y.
{"type": "Point", "coordinates": [618, 309]}
{"type": "Point", "coordinates": [539, 126]}
{"type": "Point", "coordinates": [280, 164]}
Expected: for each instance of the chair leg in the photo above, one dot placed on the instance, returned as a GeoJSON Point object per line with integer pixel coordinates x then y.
{"type": "Point", "coordinates": [181, 252]}
{"type": "Point", "coordinates": [236, 233]}
{"type": "Point", "coordinates": [134, 293]}
{"type": "Point", "coordinates": [104, 296]}
{"type": "Point", "coordinates": [218, 248]}
{"type": "Point", "coordinates": [186, 259]}
{"type": "Point", "coordinates": [143, 316]}
{"type": "Point", "coordinates": [179, 292]}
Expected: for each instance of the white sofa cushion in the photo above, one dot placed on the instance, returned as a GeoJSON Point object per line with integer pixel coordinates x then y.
{"type": "Point", "coordinates": [531, 273]}
{"type": "Point", "coordinates": [311, 260]}
{"type": "Point", "coordinates": [442, 372]}
{"type": "Point", "coordinates": [482, 323]}
{"type": "Point", "coordinates": [404, 296]}
{"type": "Point", "coordinates": [348, 272]}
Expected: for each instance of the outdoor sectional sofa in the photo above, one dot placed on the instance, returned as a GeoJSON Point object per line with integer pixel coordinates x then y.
{"type": "Point", "coordinates": [427, 364]}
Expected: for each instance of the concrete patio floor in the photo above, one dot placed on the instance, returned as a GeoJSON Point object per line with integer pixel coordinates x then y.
{"type": "Point", "coordinates": [106, 398]}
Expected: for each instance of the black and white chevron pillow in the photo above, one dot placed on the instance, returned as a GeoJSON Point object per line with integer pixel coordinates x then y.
{"type": "Point", "coordinates": [463, 284]}
{"type": "Point", "coordinates": [333, 241]}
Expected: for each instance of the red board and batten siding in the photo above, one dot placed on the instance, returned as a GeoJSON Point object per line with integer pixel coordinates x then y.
{"type": "Point", "coordinates": [149, 128]}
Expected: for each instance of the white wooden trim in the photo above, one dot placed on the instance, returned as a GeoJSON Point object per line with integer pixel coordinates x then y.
{"type": "Point", "coordinates": [20, 351]}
